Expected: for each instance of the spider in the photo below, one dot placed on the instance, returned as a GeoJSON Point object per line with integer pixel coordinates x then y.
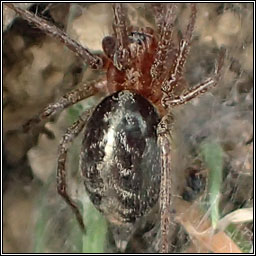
{"type": "Point", "coordinates": [126, 151]}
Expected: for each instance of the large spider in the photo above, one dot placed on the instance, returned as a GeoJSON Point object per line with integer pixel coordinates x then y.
{"type": "Point", "coordinates": [126, 153]}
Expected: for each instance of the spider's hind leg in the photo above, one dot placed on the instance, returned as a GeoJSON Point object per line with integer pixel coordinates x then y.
{"type": "Point", "coordinates": [71, 133]}
{"type": "Point", "coordinates": [164, 142]}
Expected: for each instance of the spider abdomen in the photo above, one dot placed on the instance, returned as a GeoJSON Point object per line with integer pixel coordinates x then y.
{"type": "Point", "coordinates": [120, 159]}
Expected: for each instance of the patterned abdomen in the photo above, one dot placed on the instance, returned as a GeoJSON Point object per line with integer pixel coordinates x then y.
{"type": "Point", "coordinates": [120, 159]}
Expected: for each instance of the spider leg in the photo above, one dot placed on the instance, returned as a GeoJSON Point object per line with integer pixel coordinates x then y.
{"type": "Point", "coordinates": [67, 139]}
{"type": "Point", "coordinates": [158, 12]}
{"type": "Point", "coordinates": [94, 61]}
{"type": "Point", "coordinates": [122, 55]}
{"type": "Point", "coordinates": [164, 18]}
{"type": "Point", "coordinates": [163, 130]}
{"type": "Point", "coordinates": [164, 137]}
{"type": "Point", "coordinates": [176, 70]}
{"type": "Point", "coordinates": [169, 100]}
{"type": "Point", "coordinates": [72, 97]}
{"type": "Point", "coordinates": [164, 142]}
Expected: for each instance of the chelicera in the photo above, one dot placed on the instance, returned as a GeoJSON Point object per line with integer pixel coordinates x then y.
{"type": "Point", "coordinates": [126, 153]}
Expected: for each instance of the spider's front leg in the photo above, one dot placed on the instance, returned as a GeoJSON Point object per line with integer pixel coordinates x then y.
{"type": "Point", "coordinates": [176, 71]}
{"type": "Point", "coordinates": [122, 54]}
{"type": "Point", "coordinates": [165, 16]}
{"type": "Point", "coordinates": [94, 61]}
{"type": "Point", "coordinates": [65, 143]}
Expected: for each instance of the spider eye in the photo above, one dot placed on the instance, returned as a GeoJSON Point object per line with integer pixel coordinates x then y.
{"type": "Point", "coordinates": [137, 37]}
{"type": "Point", "coordinates": [108, 45]}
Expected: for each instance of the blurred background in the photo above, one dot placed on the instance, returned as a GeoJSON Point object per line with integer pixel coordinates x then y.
{"type": "Point", "coordinates": [212, 137]}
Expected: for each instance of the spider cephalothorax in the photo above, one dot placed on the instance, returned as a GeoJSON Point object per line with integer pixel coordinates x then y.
{"type": "Point", "coordinates": [135, 73]}
{"type": "Point", "coordinates": [126, 151]}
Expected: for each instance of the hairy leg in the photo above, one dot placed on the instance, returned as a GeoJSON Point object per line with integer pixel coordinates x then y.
{"type": "Point", "coordinates": [122, 55]}
{"type": "Point", "coordinates": [176, 71]}
{"type": "Point", "coordinates": [94, 61]}
{"type": "Point", "coordinates": [164, 137]}
{"type": "Point", "coordinates": [164, 128]}
{"type": "Point", "coordinates": [67, 139]}
{"type": "Point", "coordinates": [159, 13]}
{"type": "Point", "coordinates": [169, 100]}
{"type": "Point", "coordinates": [82, 92]}
{"type": "Point", "coordinates": [165, 15]}
{"type": "Point", "coordinates": [163, 132]}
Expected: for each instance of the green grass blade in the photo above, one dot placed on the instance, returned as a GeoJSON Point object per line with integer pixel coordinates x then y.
{"type": "Point", "coordinates": [94, 240]}
{"type": "Point", "coordinates": [213, 157]}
